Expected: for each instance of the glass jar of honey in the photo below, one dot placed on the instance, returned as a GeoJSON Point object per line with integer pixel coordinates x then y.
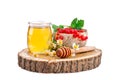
{"type": "Point", "coordinates": [38, 37]}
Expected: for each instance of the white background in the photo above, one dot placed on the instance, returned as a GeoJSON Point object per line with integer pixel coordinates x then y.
{"type": "Point", "coordinates": [102, 19]}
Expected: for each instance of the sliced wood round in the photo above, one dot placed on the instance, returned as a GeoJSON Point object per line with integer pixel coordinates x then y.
{"type": "Point", "coordinates": [47, 64]}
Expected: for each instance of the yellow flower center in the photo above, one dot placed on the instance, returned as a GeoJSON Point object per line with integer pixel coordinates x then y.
{"type": "Point", "coordinates": [60, 42]}
{"type": "Point", "coordinates": [75, 46]}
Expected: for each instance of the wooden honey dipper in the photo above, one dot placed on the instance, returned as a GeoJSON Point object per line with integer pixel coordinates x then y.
{"type": "Point", "coordinates": [65, 52]}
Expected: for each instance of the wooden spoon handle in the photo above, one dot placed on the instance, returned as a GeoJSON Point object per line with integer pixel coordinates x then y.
{"type": "Point", "coordinates": [83, 49]}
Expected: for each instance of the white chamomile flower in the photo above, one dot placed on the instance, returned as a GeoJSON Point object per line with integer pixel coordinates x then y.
{"type": "Point", "coordinates": [75, 46]}
{"type": "Point", "coordinates": [53, 53]}
{"type": "Point", "coordinates": [60, 42]}
{"type": "Point", "coordinates": [47, 52]}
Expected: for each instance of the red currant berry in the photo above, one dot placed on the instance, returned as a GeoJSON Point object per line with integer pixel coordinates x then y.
{"type": "Point", "coordinates": [83, 38]}
{"type": "Point", "coordinates": [64, 30]}
{"type": "Point", "coordinates": [79, 36]}
{"type": "Point", "coordinates": [75, 31]}
{"type": "Point", "coordinates": [74, 35]}
{"type": "Point", "coordinates": [57, 33]}
{"type": "Point", "coordinates": [72, 31]}
{"type": "Point", "coordinates": [81, 30]}
{"type": "Point", "coordinates": [86, 37]}
{"type": "Point", "coordinates": [68, 31]}
{"type": "Point", "coordinates": [61, 37]}
{"type": "Point", "coordinates": [58, 29]}
{"type": "Point", "coordinates": [56, 38]}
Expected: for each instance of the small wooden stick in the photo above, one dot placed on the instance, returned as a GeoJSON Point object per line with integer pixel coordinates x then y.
{"type": "Point", "coordinates": [83, 49]}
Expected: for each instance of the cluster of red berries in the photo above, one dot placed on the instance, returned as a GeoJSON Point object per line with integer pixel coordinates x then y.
{"type": "Point", "coordinates": [76, 33]}
{"type": "Point", "coordinates": [57, 37]}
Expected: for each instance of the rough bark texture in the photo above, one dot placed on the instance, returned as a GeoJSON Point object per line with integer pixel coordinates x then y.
{"type": "Point", "coordinates": [46, 64]}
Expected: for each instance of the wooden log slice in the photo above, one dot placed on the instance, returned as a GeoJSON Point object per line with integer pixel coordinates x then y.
{"type": "Point", "coordinates": [47, 64]}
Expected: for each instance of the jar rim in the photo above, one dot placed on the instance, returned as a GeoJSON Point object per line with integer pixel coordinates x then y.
{"type": "Point", "coordinates": [39, 24]}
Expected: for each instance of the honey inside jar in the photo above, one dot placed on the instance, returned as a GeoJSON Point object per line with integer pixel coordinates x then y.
{"type": "Point", "coordinates": [39, 36]}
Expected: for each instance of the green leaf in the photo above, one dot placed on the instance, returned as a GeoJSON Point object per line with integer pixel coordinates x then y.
{"type": "Point", "coordinates": [80, 24]}
{"type": "Point", "coordinates": [61, 26]}
{"type": "Point", "coordinates": [74, 22]}
{"type": "Point", "coordinates": [77, 24]}
{"type": "Point", "coordinates": [54, 41]}
{"type": "Point", "coordinates": [54, 27]}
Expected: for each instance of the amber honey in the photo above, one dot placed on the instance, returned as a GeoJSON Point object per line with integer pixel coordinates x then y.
{"type": "Point", "coordinates": [39, 37]}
